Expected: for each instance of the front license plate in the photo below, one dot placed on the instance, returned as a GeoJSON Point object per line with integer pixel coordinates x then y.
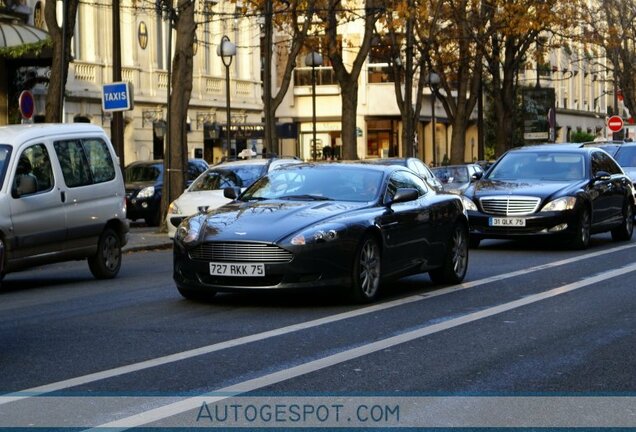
{"type": "Point", "coordinates": [512, 222]}
{"type": "Point", "coordinates": [237, 269]}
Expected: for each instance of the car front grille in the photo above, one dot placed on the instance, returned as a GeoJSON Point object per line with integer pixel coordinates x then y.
{"type": "Point", "coordinates": [240, 252]}
{"type": "Point", "coordinates": [509, 205]}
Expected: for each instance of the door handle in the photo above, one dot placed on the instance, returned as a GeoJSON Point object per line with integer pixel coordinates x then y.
{"type": "Point", "coordinates": [63, 196]}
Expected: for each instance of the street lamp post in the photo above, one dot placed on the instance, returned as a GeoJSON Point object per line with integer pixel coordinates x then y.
{"type": "Point", "coordinates": [313, 59]}
{"type": "Point", "coordinates": [227, 50]}
{"type": "Point", "coordinates": [433, 82]}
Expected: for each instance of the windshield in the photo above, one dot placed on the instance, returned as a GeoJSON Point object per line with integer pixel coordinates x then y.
{"type": "Point", "coordinates": [545, 166]}
{"type": "Point", "coordinates": [626, 156]}
{"type": "Point", "coordinates": [219, 178]}
{"type": "Point", "coordinates": [248, 173]}
{"type": "Point", "coordinates": [451, 174]}
{"type": "Point", "coordinates": [142, 173]}
{"type": "Point", "coordinates": [5, 152]}
{"type": "Point", "coordinates": [317, 183]}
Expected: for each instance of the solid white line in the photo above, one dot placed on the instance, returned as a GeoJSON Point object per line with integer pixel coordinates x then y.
{"type": "Point", "coordinates": [180, 407]}
{"type": "Point", "coordinates": [184, 355]}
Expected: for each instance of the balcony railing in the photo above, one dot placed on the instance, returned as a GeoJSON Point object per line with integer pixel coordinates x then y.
{"type": "Point", "coordinates": [324, 76]}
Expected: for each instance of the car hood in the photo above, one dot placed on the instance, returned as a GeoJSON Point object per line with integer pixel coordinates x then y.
{"type": "Point", "coordinates": [271, 220]}
{"type": "Point", "coordinates": [533, 188]}
{"type": "Point", "coordinates": [189, 202]}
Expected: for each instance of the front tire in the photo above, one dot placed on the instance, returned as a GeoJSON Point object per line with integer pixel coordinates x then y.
{"type": "Point", "coordinates": [105, 264]}
{"type": "Point", "coordinates": [366, 271]}
{"type": "Point", "coordinates": [626, 229]}
{"type": "Point", "coordinates": [455, 265]}
{"type": "Point", "coordinates": [581, 238]}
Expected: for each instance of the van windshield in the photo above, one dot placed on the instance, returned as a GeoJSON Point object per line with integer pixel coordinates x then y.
{"type": "Point", "coordinates": [5, 153]}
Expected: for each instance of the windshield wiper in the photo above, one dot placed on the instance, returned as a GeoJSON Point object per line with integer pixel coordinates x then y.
{"type": "Point", "coordinates": [307, 197]}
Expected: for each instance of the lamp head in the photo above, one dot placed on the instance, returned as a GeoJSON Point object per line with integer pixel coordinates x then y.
{"type": "Point", "coordinates": [313, 59]}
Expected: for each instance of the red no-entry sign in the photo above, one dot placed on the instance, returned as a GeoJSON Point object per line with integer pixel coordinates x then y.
{"type": "Point", "coordinates": [615, 123]}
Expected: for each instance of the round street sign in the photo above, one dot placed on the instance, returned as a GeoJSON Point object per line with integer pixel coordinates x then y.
{"type": "Point", "coordinates": [615, 123]}
{"type": "Point", "coordinates": [26, 104]}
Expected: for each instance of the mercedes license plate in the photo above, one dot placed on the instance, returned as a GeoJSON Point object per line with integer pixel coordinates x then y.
{"type": "Point", "coordinates": [507, 222]}
{"type": "Point", "coordinates": [237, 269]}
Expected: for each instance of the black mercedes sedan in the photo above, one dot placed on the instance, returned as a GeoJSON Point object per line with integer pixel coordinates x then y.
{"type": "Point", "coordinates": [566, 191]}
{"type": "Point", "coordinates": [323, 225]}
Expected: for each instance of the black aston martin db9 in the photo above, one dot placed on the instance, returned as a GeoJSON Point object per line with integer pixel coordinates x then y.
{"type": "Point", "coordinates": [551, 190]}
{"type": "Point", "coordinates": [323, 225]}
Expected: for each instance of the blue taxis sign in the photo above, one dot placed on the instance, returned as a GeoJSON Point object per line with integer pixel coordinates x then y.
{"type": "Point", "coordinates": [117, 97]}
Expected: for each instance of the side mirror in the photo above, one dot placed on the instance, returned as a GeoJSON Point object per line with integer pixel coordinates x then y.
{"type": "Point", "coordinates": [476, 176]}
{"type": "Point", "coordinates": [404, 195]}
{"type": "Point", "coordinates": [231, 192]}
{"type": "Point", "coordinates": [602, 176]}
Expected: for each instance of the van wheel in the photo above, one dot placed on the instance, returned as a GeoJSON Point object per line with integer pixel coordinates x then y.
{"type": "Point", "coordinates": [106, 262]}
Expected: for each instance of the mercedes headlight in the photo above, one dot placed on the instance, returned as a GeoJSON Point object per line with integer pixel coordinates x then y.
{"type": "Point", "coordinates": [468, 203]}
{"type": "Point", "coordinates": [146, 192]}
{"type": "Point", "coordinates": [319, 234]}
{"type": "Point", "coordinates": [560, 204]}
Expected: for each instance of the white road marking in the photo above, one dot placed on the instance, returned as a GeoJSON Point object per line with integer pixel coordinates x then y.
{"type": "Point", "coordinates": [185, 405]}
{"type": "Point", "coordinates": [184, 355]}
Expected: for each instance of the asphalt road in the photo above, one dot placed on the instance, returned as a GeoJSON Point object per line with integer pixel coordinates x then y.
{"type": "Point", "coordinates": [530, 321]}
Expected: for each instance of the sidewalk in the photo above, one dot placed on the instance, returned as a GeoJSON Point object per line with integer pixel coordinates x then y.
{"type": "Point", "coordinates": [142, 238]}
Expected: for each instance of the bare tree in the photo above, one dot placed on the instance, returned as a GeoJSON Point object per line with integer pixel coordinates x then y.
{"type": "Point", "coordinates": [61, 35]}
{"type": "Point", "coordinates": [333, 14]}
{"type": "Point", "coordinates": [293, 19]}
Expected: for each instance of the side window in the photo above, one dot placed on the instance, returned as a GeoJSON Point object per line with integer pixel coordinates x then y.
{"type": "Point", "coordinates": [403, 179]}
{"type": "Point", "coordinates": [612, 166]}
{"type": "Point", "coordinates": [75, 168]}
{"type": "Point", "coordinates": [99, 160]}
{"type": "Point", "coordinates": [33, 173]}
{"type": "Point", "coordinates": [603, 162]}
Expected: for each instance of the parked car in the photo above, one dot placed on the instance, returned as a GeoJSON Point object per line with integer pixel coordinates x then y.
{"type": "Point", "coordinates": [323, 225]}
{"type": "Point", "coordinates": [415, 165]}
{"type": "Point", "coordinates": [556, 190]}
{"type": "Point", "coordinates": [61, 198]}
{"type": "Point", "coordinates": [456, 178]}
{"type": "Point", "coordinates": [144, 184]}
{"type": "Point", "coordinates": [207, 190]}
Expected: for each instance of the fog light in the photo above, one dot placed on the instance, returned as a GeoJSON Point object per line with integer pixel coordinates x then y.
{"type": "Point", "coordinates": [558, 228]}
{"type": "Point", "coordinates": [144, 205]}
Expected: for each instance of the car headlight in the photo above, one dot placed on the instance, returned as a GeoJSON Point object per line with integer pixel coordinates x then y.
{"type": "Point", "coordinates": [560, 204]}
{"type": "Point", "coordinates": [173, 208]}
{"type": "Point", "coordinates": [146, 192]}
{"type": "Point", "coordinates": [319, 234]}
{"type": "Point", "coordinates": [468, 203]}
{"type": "Point", "coordinates": [190, 231]}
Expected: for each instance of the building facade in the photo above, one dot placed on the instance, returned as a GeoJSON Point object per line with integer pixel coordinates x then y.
{"type": "Point", "coordinates": [581, 88]}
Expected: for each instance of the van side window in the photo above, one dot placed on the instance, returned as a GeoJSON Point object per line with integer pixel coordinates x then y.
{"type": "Point", "coordinates": [33, 173]}
{"type": "Point", "coordinates": [99, 160]}
{"type": "Point", "coordinates": [73, 162]}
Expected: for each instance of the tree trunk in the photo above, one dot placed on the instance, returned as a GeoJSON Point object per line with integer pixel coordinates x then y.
{"type": "Point", "coordinates": [349, 114]}
{"type": "Point", "coordinates": [59, 64]}
{"type": "Point", "coordinates": [175, 160]}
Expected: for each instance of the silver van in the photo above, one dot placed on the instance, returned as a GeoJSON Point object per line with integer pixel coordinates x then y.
{"type": "Point", "coordinates": [61, 198]}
